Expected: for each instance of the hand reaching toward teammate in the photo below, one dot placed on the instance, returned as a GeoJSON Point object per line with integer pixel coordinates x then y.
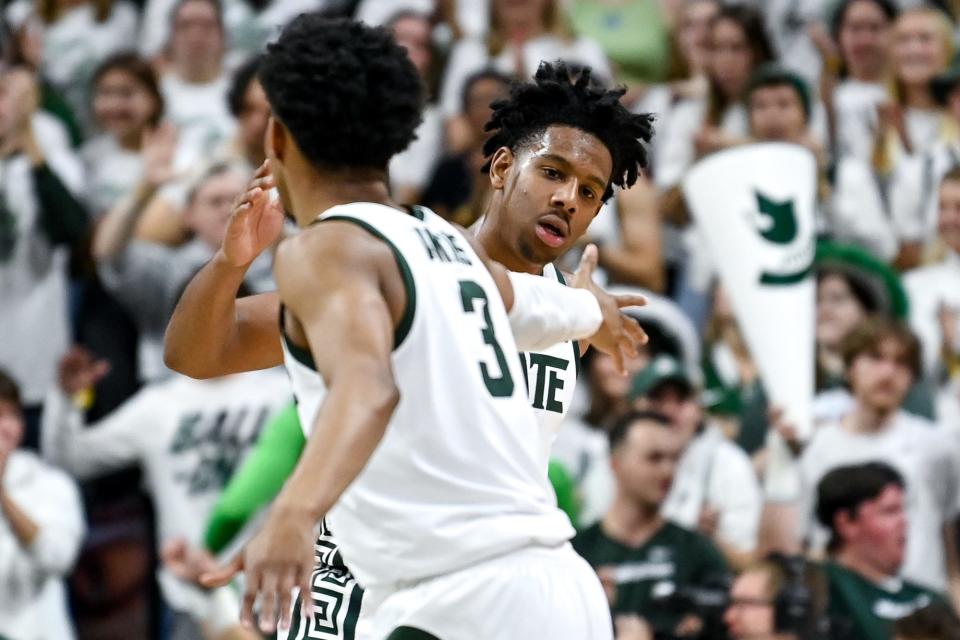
{"type": "Point", "coordinates": [256, 221]}
{"type": "Point", "coordinates": [620, 335]}
{"type": "Point", "coordinates": [276, 561]}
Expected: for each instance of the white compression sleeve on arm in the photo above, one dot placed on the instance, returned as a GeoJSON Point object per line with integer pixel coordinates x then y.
{"type": "Point", "coordinates": [546, 312]}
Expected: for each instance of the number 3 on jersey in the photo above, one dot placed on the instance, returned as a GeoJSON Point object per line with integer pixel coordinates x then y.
{"type": "Point", "coordinates": [501, 386]}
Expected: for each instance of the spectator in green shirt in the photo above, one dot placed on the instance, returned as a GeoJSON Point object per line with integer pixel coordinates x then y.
{"type": "Point", "coordinates": [641, 558]}
{"type": "Point", "coordinates": [863, 506]}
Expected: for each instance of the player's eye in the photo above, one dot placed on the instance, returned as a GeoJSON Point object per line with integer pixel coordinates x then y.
{"type": "Point", "coordinates": [588, 193]}
{"type": "Point", "coordinates": [551, 173]}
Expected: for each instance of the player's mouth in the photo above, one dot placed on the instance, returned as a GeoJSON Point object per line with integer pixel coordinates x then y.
{"type": "Point", "coordinates": [552, 230]}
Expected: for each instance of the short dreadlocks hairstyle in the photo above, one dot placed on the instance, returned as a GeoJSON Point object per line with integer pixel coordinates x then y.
{"type": "Point", "coordinates": [347, 93]}
{"type": "Point", "coordinates": [561, 96]}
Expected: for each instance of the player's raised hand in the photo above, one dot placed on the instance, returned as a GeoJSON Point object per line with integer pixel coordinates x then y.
{"type": "Point", "coordinates": [256, 220]}
{"type": "Point", "coordinates": [620, 335]}
{"type": "Point", "coordinates": [159, 148]}
{"type": "Point", "coordinates": [79, 370]}
{"type": "Point", "coordinates": [276, 561]}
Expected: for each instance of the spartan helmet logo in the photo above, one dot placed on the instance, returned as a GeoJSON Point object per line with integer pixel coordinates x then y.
{"type": "Point", "coordinates": [776, 221]}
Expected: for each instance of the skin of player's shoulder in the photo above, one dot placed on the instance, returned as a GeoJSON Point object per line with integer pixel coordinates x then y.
{"type": "Point", "coordinates": [336, 256]}
{"type": "Point", "coordinates": [329, 249]}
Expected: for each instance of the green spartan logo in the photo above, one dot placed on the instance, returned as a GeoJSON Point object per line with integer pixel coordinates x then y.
{"type": "Point", "coordinates": [777, 224]}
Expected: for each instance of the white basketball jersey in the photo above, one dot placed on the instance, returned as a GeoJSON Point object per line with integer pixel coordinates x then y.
{"type": "Point", "coordinates": [551, 377]}
{"type": "Point", "coordinates": [459, 475]}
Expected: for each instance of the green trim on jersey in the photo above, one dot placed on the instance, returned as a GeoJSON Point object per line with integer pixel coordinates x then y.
{"type": "Point", "coordinates": [417, 212]}
{"type": "Point", "coordinates": [301, 355]}
{"type": "Point", "coordinates": [576, 343]}
{"type": "Point", "coordinates": [406, 320]}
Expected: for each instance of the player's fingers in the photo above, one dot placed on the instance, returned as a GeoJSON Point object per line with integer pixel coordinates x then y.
{"type": "Point", "coordinates": [628, 347]}
{"type": "Point", "coordinates": [250, 592]}
{"type": "Point", "coordinates": [268, 601]}
{"type": "Point", "coordinates": [635, 331]}
{"type": "Point", "coordinates": [224, 574]}
{"type": "Point", "coordinates": [588, 262]}
{"type": "Point", "coordinates": [251, 195]}
{"type": "Point", "coordinates": [630, 300]}
{"type": "Point", "coordinates": [618, 359]}
{"type": "Point", "coordinates": [305, 582]}
{"type": "Point", "coordinates": [288, 583]}
{"type": "Point", "coordinates": [260, 183]}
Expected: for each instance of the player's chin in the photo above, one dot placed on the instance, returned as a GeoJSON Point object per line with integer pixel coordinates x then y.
{"type": "Point", "coordinates": [547, 252]}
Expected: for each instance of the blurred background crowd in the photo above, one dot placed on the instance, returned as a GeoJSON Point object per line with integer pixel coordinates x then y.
{"type": "Point", "coordinates": [129, 127]}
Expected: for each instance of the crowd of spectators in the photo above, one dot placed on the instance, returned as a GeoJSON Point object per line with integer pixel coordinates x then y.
{"type": "Point", "coordinates": [129, 127]}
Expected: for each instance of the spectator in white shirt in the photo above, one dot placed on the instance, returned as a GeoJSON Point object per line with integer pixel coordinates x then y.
{"type": "Point", "coordinates": [914, 201]}
{"type": "Point", "coordinates": [882, 359]}
{"type": "Point", "coordinates": [861, 31]}
{"type": "Point", "coordinates": [40, 216]}
{"type": "Point", "coordinates": [195, 86]}
{"type": "Point", "coordinates": [188, 436]}
{"type": "Point", "coordinates": [935, 290]}
{"type": "Point", "coordinates": [912, 122]}
{"type": "Point", "coordinates": [74, 38]}
{"type": "Point", "coordinates": [41, 529]}
{"type": "Point", "coordinates": [410, 170]}
{"type": "Point", "coordinates": [522, 33]}
{"type": "Point", "coordinates": [126, 104]}
{"type": "Point", "coordinates": [738, 45]}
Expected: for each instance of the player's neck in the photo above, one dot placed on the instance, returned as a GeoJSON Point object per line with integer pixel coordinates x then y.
{"type": "Point", "coordinates": [497, 249]}
{"type": "Point", "coordinates": [852, 561]}
{"type": "Point", "coordinates": [630, 522]}
{"type": "Point", "coordinates": [312, 196]}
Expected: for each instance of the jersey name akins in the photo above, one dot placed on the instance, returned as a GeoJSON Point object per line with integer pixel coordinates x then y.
{"type": "Point", "coordinates": [219, 439]}
{"type": "Point", "coordinates": [443, 247]}
{"type": "Point", "coordinates": [547, 380]}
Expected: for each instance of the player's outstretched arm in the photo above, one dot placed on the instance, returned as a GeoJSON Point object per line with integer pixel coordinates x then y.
{"type": "Point", "coordinates": [345, 292]}
{"type": "Point", "coordinates": [543, 312]}
{"type": "Point", "coordinates": [212, 333]}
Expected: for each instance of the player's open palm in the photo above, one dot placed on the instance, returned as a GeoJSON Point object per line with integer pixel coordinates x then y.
{"type": "Point", "coordinates": [620, 335]}
{"type": "Point", "coordinates": [256, 221]}
{"type": "Point", "coordinates": [276, 561]}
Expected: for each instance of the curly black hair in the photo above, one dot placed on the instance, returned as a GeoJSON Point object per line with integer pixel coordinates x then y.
{"type": "Point", "coordinates": [559, 95]}
{"type": "Point", "coordinates": [240, 82]}
{"type": "Point", "coordinates": [347, 93]}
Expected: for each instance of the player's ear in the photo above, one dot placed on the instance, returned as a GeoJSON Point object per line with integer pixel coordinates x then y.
{"type": "Point", "coordinates": [276, 143]}
{"type": "Point", "coordinates": [500, 165]}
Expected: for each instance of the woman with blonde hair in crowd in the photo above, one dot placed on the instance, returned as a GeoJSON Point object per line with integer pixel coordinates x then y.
{"type": "Point", "coordinates": [522, 33]}
{"type": "Point", "coordinates": [68, 39]}
{"type": "Point", "coordinates": [912, 121]}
